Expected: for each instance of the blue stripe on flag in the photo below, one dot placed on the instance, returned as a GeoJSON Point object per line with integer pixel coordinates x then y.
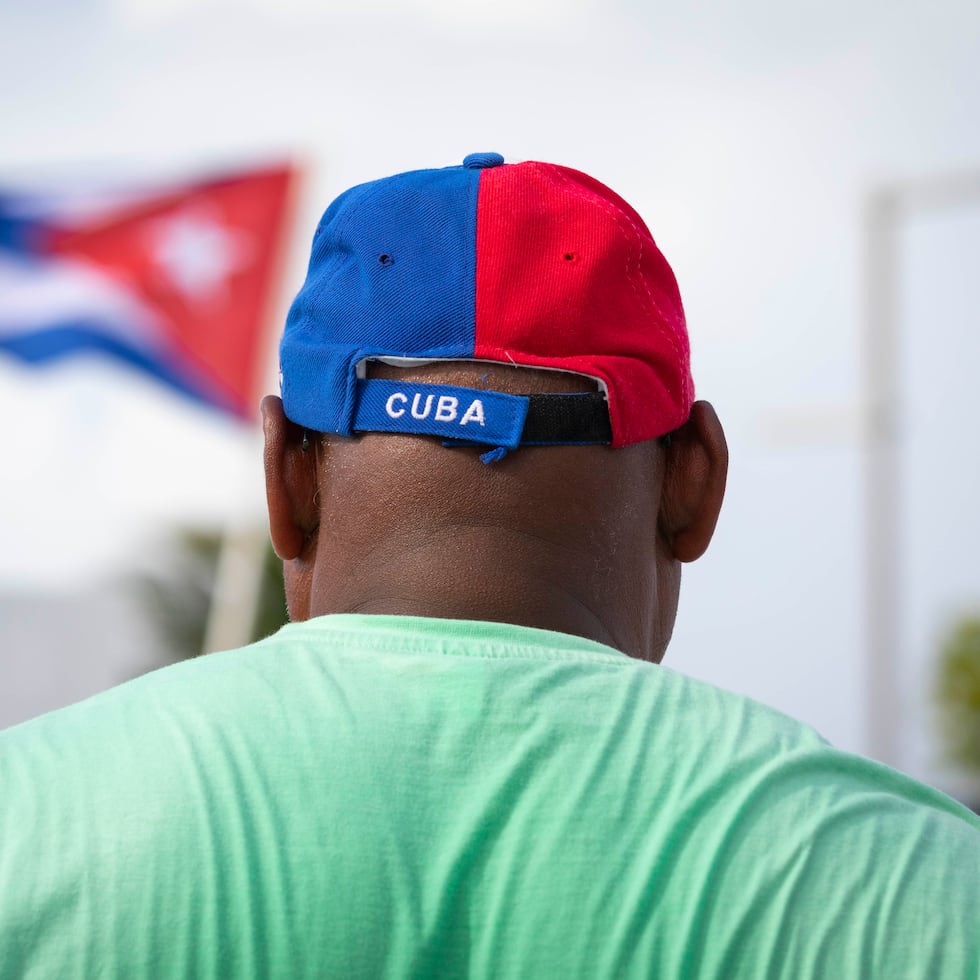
{"type": "Point", "coordinates": [52, 343]}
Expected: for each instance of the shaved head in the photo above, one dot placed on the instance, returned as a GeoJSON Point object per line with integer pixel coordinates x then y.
{"type": "Point", "coordinates": [581, 539]}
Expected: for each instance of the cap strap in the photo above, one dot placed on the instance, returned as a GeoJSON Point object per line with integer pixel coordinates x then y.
{"type": "Point", "coordinates": [576, 418]}
{"type": "Point", "coordinates": [473, 416]}
{"type": "Point", "coordinates": [468, 414]}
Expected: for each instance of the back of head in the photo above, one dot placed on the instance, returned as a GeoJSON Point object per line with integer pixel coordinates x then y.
{"type": "Point", "coordinates": [490, 355]}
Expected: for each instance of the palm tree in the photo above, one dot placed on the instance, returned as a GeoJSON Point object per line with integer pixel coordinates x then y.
{"type": "Point", "coordinates": [176, 594]}
{"type": "Point", "coordinates": [958, 695]}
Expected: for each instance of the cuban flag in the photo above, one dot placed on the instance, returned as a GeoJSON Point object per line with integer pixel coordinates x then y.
{"type": "Point", "coordinates": [176, 282]}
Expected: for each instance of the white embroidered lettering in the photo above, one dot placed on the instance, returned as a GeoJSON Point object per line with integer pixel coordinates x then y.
{"type": "Point", "coordinates": [474, 413]}
{"type": "Point", "coordinates": [415, 407]}
{"type": "Point", "coordinates": [390, 405]}
{"type": "Point", "coordinates": [446, 409]}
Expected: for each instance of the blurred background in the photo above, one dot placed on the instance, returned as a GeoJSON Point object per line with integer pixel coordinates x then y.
{"type": "Point", "coordinates": [811, 171]}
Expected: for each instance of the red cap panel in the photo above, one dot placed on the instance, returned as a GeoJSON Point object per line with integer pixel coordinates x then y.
{"type": "Point", "coordinates": [569, 277]}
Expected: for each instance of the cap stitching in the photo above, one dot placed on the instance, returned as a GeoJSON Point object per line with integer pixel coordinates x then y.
{"type": "Point", "coordinates": [618, 217]}
{"type": "Point", "coordinates": [659, 316]}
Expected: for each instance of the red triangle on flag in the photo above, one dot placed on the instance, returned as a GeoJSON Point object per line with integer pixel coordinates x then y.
{"type": "Point", "coordinates": [205, 259]}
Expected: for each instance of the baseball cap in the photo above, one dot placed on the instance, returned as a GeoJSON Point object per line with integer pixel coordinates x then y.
{"type": "Point", "coordinates": [528, 264]}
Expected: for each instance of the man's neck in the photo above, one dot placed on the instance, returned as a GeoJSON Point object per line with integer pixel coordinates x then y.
{"type": "Point", "coordinates": [490, 576]}
{"type": "Point", "coordinates": [573, 619]}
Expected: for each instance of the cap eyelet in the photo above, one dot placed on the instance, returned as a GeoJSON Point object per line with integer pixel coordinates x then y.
{"type": "Point", "coordinates": [385, 259]}
{"type": "Point", "coordinates": [570, 256]}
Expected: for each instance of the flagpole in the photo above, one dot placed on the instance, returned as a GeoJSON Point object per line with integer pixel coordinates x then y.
{"type": "Point", "coordinates": [888, 207]}
{"type": "Point", "coordinates": [237, 586]}
{"type": "Point", "coordinates": [240, 566]}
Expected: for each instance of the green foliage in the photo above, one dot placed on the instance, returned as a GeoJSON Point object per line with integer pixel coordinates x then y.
{"type": "Point", "coordinates": [958, 692]}
{"type": "Point", "coordinates": [271, 611]}
{"type": "Point", "coordinates": [176, 594]}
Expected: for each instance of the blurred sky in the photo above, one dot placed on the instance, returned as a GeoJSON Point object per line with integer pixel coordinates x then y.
{"type": "Point", "coordinates": [746, 134]}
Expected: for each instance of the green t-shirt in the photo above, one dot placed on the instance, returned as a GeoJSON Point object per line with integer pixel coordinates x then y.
{"type": "Point", "coordinates": [390, 797]}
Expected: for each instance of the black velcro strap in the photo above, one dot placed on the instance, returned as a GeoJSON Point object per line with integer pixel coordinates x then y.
{"type": "Point", "coordinates": [582, 418]}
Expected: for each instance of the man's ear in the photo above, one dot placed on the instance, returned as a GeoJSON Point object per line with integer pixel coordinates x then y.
{"type": "Point", "coordinates": [291, 482]}
{"type": "Point", "coordinates": [696, 469]}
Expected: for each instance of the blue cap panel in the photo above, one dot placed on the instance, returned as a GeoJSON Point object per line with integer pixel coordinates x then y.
{"type": "Point", "coordinates": [392, 272]}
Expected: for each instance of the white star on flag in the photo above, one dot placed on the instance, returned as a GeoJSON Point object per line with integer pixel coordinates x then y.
{"type": "Point", "coordinates": [198, 254]}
